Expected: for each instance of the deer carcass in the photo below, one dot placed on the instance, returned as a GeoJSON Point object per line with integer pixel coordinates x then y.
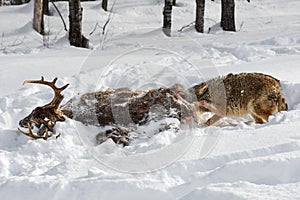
{"type": "Point", "coordinates": [233, 95]}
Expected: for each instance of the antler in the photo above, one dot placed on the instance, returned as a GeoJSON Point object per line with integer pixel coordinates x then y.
{"type": "Point", "coordinates": [44, 117]}
{"type": "Point", "coordinates": [31, 134]}
{"type": "Point", "coordinates": [57, 96]}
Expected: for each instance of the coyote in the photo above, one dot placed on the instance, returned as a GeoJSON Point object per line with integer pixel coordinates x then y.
{"type": "Point", "coordinates": [232, 95]}
{"type": "Point", "coordinates": [237, 95]}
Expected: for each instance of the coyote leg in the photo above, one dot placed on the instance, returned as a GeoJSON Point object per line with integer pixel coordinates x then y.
{"type": "Point", "coordinates": [257, 119]}
{"type": "Point", "coordinates": [260, 117]}
{"type": "Point", "coordinates": [262, 109]}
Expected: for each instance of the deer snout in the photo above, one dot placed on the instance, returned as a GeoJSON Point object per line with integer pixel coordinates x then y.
{"type": "Point", "coordinates": [24, 122]}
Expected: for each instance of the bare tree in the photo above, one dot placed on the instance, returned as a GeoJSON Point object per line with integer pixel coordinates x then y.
{"type": "Point", "coordinates": [200, 7]}
{"type": "Point", "coordinates": [104, 4]}
{"type": "Point", "coordinates": [38, 16]}
{"type": "Point", "coordinates": [60, 15]}
{"type": "Point", "coordinates": [75, 31]}
{"type": "Point", "coordinates": [167, 13]}
{"type": "Point", "coordinates": [46, 7]}
{"type": "Point", "coordinates": [227, 16]}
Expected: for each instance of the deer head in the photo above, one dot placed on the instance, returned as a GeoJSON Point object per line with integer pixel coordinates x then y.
{"type": "Point", "coordinates": [45, 117]}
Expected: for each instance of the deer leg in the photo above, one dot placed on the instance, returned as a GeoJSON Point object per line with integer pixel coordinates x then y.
{"type": "Point", "coordinates": [42, 130]}
{"type": "Point", "coordinates": [169, 126]}
{"type": "Point", "coordinates": [118, 135]}
{"type": "Point", "coordinates": [213, 120]}
{"type": "Point", "coordinates": [218, 110]}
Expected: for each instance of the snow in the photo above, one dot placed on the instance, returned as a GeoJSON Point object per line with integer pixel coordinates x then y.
{"type": "Point", "coordinates": [245, 161]}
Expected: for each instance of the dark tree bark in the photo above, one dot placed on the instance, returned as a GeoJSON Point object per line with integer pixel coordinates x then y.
{"type": "Point", "coordinates": [75, 31]}
{"type": "Point", "coordinates": [167, 13]}
{"type": "Point", "coordinates": [227, 18]}
{"type": "Point", "coordinates": [104, 5]}
{"type": "Point", "coordinates": [46, 7]}
{"type": "Point", "coordinates": [17, 2]}
{"type": "Point", "coordinates": [38, 17]}
{"type": "Point", "coordinates": [174, 2]}
{"type": "Point", "coordinates": [200, 7]}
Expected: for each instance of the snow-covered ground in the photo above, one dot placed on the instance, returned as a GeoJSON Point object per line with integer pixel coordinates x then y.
{"type": "Point", "coordinates": [246, 161]}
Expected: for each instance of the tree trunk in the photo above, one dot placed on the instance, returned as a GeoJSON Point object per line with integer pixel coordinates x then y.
{"type": "Point", "coordinates": [38, 17]}
{"type": "Point", "coordinates": [46, 7]}
{"type": "Point", "coordinates": [104, 5]}
{"type": "Point", "coordinates": [167, 13]}
{"type": "Point", "coordinates": [227, 19]}
{"type": "Point", "coordinates": [75, 30]}
{"type": "Point", "coordinates": [200, 7]}
{"type": "Point", "coordinates": [174, 2]}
